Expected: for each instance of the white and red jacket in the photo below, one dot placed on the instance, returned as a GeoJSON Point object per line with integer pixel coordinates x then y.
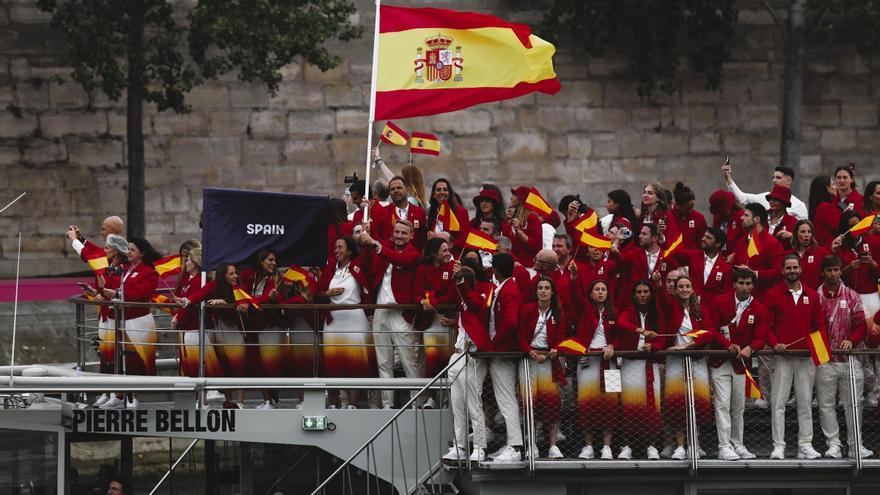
{"type": "Point", "coordinates": [404, 263]}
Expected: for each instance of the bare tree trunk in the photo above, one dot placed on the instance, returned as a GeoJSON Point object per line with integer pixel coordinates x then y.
{"type": "Point", "coordinates": [134, 131]}
{"type": "Point", "coordinates": [793, 87]}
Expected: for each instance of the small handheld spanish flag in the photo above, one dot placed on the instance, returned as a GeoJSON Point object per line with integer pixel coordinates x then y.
{"type": "Point", "coordinates": [696, 333]}
{"type": "Point", "coordinates": [863, 227]}
{"type": "Point", "coordinates": [571, 346]}
{"type": "Point", "coordinates": [480, 241]}
{"type": "Point", "coordinates": [168, 266]}
{"type": "Point", "coordinates": [752, 389]}
{"type": "Point", "coordinates": [242, 297]}
{"type": "Point", "coordinates": [490, 298]}
{"type": "Point", "coordinates": [424, 144]}
{"type": "Point", "coordinates": [95, 257]}
{"type": "Point", "coordinates": [162, 299]}
{"type": "Point", "coordinates": [819, 347]}
{"type": "Point", "coordinates": [447, 216]}
{"type": "Point", "coordinates": [586, 221]}
{"type": "Point", "coordinates": [672, 247]}
{"type": "Point", "coordinates": [535, 202]}
{"type": "Point", "coordinates": [754, 248]}
{"type": "Point", "coordinates": [595, 240]}
{"type": "Point", "coordinates": [392, 134]}
{"type": "Point", "coordinates": [296, 274]}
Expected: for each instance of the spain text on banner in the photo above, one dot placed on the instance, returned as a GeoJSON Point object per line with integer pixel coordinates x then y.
{"type": "Point", "coordinates": [437, 60]}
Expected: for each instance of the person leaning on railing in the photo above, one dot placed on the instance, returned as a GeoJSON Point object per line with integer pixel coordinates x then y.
{"type": "Point", "coordinates": [186, 320]}
{"type": "Point", "coordinates": [638, 327]}
{"type": "Point", "coordinates": [467, 374]}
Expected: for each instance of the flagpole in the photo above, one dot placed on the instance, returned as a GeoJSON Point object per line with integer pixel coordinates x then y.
{"type": "Point", "coordinates": [372, 111]}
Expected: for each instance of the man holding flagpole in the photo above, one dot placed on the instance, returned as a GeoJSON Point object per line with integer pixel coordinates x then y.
{"type": "Point", "coordinates": [794, 313]}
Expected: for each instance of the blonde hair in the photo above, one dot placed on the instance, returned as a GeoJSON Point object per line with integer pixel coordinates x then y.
{"type": "Point", "coordinates": [195, 254]}
{"type": "Point", "coordinates": [415, 182]}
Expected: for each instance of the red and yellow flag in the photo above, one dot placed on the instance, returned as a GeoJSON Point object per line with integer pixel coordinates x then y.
{"type": "Point", "coordinates": [437, 60]}
{"type": "Point", "coordinates": [863, 226]}
{"type": "Point", "coordinates": [752, 389]}
{"type": "Point", "coordinates": [162, 299]}
{"type": "Point", "coordinates": [447, 216]}
{"type": "Point", "coordinates": [242, 297]}
{"type": "Point", "coordinates": [424, 144]}
{"type": "Point", "coordinates": [595, 240]}
{"type": "Point", "coordinates": [392, 134]}
{"type": "Point", "coordinates": [587, 221]}
{"type": "Point", "coordinates": [490, 298]}
{"type": "Point", "coordinates": [672, 247]}
{"type": "Point", "coordinates": [95, 257]}
{"type": "Point", "coordinates": [571, 346]}
{"type": "Point", "coordinates": [754, 248]}
{"type": "Point", "coordinates": [535, 202]}
{"type": "Point", "coordinates": [696, 333]}
{"type": "Point", "coordinates": [820, 348]}
{"type": "Point", "coordinates": [296, 274]}
{"type": "Point", "coordinates": [168, 266]}
{"type": "Point", "coordinates": [480, 241]}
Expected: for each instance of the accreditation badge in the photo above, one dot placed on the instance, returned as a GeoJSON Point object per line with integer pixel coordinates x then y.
{"type": "Point", "coordinates": [751, 319]}
{"type": "Point", "coordinates": [691, 223]}
{"type": "Point", "coordinates": [445, 275]}
{"type": "Point", "coordinates": [718, 276]}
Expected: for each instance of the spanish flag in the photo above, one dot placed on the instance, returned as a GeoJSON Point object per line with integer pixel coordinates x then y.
{"type": "Point", "coordinates": [672, 247]}
{"type": "Point", "coordinates": [95, 257]}
{"type": "Point", "coordinates": [447, 216]}
{"type": "Point", "coordinates": [162, 299]}
{"type": "Point", "coordinates": [480, 241]}
{"type": "Point", "coordinates": [490, 298]}
{"type": "Point", "coordinates": [820, 348]}
{"type": "Point", "coordinates": [424, 144]}
{"type": "Point", "coordinates": [535, 202]}
{"type": "Point", "coordinates": [754, 248]}
{"type": "Point", "coordinates": [752, 389]}
{"type": "Point", "coordinates": [296, 274]}
{"type": "Point", "coordinates": [587, 221]}
{"type": "Point", "coordinates": [862, 227]}
{"type": "Point", "coordinates": [437, 60]}
{"type": "Point", "coordinates": [242, 297]}
{"type": "Point", "coordinates": [167, 266]}
{"type": "Point", "coordinates": [696, 333]}
{"type": "Point", "coordinates": [571, 346]}
{"type": "Point", "coordinates": [392, 134]}
{"type": "Point", "coordinates": [595, 240]}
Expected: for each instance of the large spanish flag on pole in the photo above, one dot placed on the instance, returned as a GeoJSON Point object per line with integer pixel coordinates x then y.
{"type": "Point", "coordinates": [434, 61]}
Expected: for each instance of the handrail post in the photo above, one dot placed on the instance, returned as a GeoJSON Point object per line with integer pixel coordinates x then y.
{"type": "Point", "coordinates": [529, 412]}
{"type": "Point", "coordinates": [117, 338]}
{"type": "Point", "coordinates": [80, 335]}
{"type": "Point", "coordinates": [691, 414]}
{"type": "Point", "coordinates": [857, 426]}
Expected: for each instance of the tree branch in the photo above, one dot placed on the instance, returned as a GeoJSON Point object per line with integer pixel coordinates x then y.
{"type": "Point", "coordinates": [811, 25]}
{"type": "Point", "coordinates": [773, 13]}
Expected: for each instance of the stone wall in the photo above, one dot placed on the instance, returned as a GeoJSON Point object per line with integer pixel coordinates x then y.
{"type": "Point", "coordinates": [66, 147]}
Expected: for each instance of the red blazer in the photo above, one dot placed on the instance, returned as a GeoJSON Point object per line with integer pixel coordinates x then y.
{"type": "Point", "coordinates": [459, 237]}
{"type": "Point", "coordinates": [110, 282]}
{"type": "Point", "coordinates": [205, 293]}
{"type": "Point", "coordinates": [671, 315]}
{"type": "Point", "coordinates": [751, 330]}
{"type": "Point", "coordinates": [259, 318]}
{"type": "Point", "coordinates": [720, 278]}
{"type": "Point", "coordinates": [309, 315]}
{"type": "Point", "coordinates": [383, 227]}
{"type": "Point", "coordinates": [628, 338]}
{"type": "Point", "coordinates": [505, 307]}
{"type": "Point", "coordinates": [523, 278]}
{"type": "Point", "coordinates": [528, 321]}
{"type": "Point", "coordinates": [733, 229]}
{"type": "Point", "coordinates": [768, 261]}
{"type": "Point", "coordinates": [789, 322]}
{"type": "Point", "coordinates": [786, 225]}
{"type": "Point", "coordinates": [439, 282]}
{"type": "Point", "coordinates": [404, 262]}
{"type": "Point", "coordinates": [525, 252]}
{"type": "Point", "coordinates": [828, 216]}
{"type": "Point", "coordinates": [691, 226]}
{"type": "Point", "coordinates": [139, 287]}
{"type": "Point", "coordinates": [474, 312]}
{"type": "Point", "coordinates": [634, 267]}
{"type": "Point", "coordinates": [671, 232]}
{"type": "Point", "coordinates": [810, 263]}
{"type": "Point", "coordinates": [862, 279]}
{"type": "Point", "coordinates": [589, 320]}
{"type": "Point", "coordinates": [187, 319]}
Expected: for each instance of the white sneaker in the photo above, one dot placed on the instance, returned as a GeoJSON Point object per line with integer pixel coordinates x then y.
{"type": "Point", "coordinates": [430, 404]}
{"type": "Point", "coordinates": [667, 451]}
{"type": "Point", "coordinates": [806, 451]}
{"type": "Point", "coordinates": [560, 437]}
{"type": "Point", "coordinates": [679, 454]}
{"type": "Point", "coordinates": [863, 452]}
{"type": "Point", "coordinates": [834, 452]}
{"type": "Point", "coordinates": [101, 400]}
{"type": "Point", "coordinates": [534, 453]}
{"type": "Point", "coordinates": [478, 455]}
{"type": "Point", "coordinates": [727, 454]}
{"type": "Point", "coordinates": [269, 404]}
{"type": "Point", "coordinates": [455, 454]}
{"type": "Point", "coordinates": [214, 396]}
{"type": "Point", "coordinates": [778, 453]}
{"type": "Point", "coordinates": [113, 403]}
{"type": "Point", "coordinates": [132, 404]}
{"type": "Point", "coordinates": [510, 454]}
{"type": "Point", "coordinates": [606, 453]}
{"type": "Point", "coordinates": [653, 454]}
{"type": "Point", "coordinates": [298, 406]}
{"type": "Point", "coordinates": [350, 406]}
{"type": "Point", "coordinates": [387, 406]}
{"type": "Point", "coordinates": [554, 453]}
{"type": "Point", "coordinates": [497, 452]}
{"type": "Point", "coordinates": [587, 453]}
{"type": "Point", "coordinates": [625, 453]}
{"type": "Point", "coordinates": [743, 452]}
{"type": "Point", "coordinates": [762, 404]}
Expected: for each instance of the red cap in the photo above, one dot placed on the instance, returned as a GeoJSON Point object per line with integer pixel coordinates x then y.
{"type": "Point", "coordinates": [720, 204]}
{"type": "Point", "coordinates": [780, 193]}
{"type": "Point", "coordinates": [490, 194]}
{"type": "Point", "coordinates": [521, 192]}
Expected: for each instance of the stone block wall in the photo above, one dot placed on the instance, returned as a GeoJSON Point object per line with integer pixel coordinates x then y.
{"type": "Point", "coordinates": [66, 147]}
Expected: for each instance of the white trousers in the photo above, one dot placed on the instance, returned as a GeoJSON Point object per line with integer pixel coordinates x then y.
{"type": "Point", "coordinates": [832, 383]}
{"type": "Point", "coordinates": [730, 402]}
{"type": "Point", "coordinates": [503, 373]}
{"type": "Point", "coordinates": [466, 396]}
{"type": "Point", "coordinates": [799, 371]}
{"type": "Point", "coordinates": [390, 330]}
